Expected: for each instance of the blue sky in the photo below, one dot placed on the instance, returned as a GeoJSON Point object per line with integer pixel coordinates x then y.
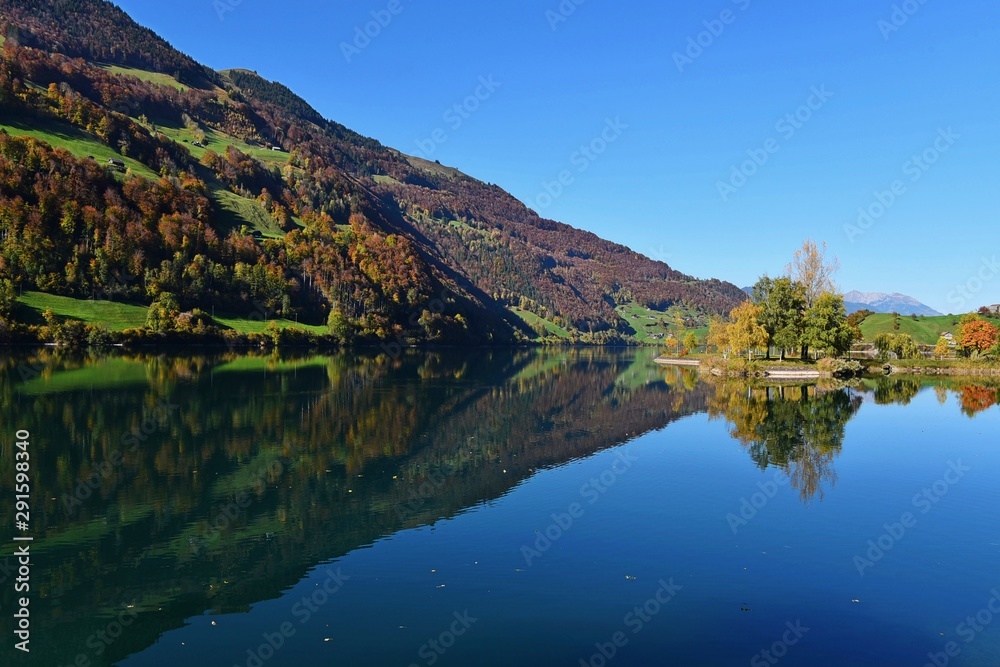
{"type": "Point", "coordinates": [691, 159]}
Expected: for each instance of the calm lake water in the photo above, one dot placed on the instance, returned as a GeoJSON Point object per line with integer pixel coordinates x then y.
{"type": "Point", "coordinates": [542, 507]}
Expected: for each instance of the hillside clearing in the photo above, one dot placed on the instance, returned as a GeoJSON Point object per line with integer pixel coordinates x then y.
{"type": "Point", "coordinates": [115, 316]}
{"type": "Point", "coordinates": [63, 135]}
{"type": "Point", "coordinates": [218, 142]}
{"type": "Point", "coordinates": [235, 212]}
{"type": "Point", "coordinates": [155, 78]}
{"type": "Point", "coordinates": [652, 327]}
{"type": "Point", "coordinates": [534, 321]}
{"type": "Point", "coordinates": [925, 330]}
{"type": "Point", "coordinates": [121, 316]}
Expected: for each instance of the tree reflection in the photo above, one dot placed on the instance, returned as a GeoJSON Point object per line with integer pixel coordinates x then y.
{"type": "Point", "coordinates": [187, 483]}
{"type": "Point", "coordinates": [799, 429]}
{"type": "Point", "coordinates": [896, 390]}
{"type": "Point", "coordinates": [977, 398]}
{"type": "Point", "coordinates": [973, 398]}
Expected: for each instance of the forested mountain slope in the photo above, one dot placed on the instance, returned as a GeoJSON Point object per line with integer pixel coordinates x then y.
{"type": "Point", "coordinates": [234, 192]}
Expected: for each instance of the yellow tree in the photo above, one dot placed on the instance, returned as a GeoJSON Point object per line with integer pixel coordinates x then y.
{"type": "Point", "coordinates": [745, 329]}
{"type": "Point", "coordinates": [672, 344]}
{"type": "Point", "coordinates": [941, 349]}
{"type": "Point", "coordinates": [690, 342]}
{"type": "Point", "coordinates": [718, 335]}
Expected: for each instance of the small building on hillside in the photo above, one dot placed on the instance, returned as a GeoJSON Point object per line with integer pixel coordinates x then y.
{"type": "Point", "coordinates": [995, 308]}
{"type": "Point", "coordinates": [115, 163]}
{"type": "Point", "coordinates": [278, 148]}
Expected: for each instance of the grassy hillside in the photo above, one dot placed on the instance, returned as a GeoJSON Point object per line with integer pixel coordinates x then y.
{"type": "Point", "coordinates": [534, 321]}
{"type": "Point", "coordinates": [243, 325]}
{"type": "Point", "coordinates": [115, 316]}
{"type": "Point", "coordinates": [122, 316]}
{"type": "Point", "coordinates": [76, 141]}
{"type": "Point", "coordinates": [236, 211]}
{"type": "Point", "coordinates": [648, 324]}
{"type": "Point", "coordinates": [217, 141]}
{"type": "Point", "coordinates": [147, 76]}
{"type": "Point", "coordinates": [924, 330]}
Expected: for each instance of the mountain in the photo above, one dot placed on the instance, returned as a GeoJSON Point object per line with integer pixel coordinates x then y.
{"type": "Point", "coordinates": [879, 302]}
{"type": "Point", "coordinates": [171, 184]}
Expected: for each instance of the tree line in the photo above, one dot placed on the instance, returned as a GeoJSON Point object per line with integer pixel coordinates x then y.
{"type": "Point", "coordinates": [800, 311]}
{"type": "Point", "coordinates": [803, 311]}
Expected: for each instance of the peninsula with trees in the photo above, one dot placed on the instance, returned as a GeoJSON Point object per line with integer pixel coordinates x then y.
{"type": "Point", "coordinates": [801, 317]}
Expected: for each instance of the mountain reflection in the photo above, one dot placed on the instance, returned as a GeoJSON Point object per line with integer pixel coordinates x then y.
{"type": "Point", "coordinates": [174, 484]}
{"type": "Point", "coordinates": [183, 484]}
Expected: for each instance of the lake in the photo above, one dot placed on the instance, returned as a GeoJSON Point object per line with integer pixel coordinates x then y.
{"type": "Point", "coordinates": [495, 507]}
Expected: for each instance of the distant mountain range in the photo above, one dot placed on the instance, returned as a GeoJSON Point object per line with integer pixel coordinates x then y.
{"type": "Point", "coordinates": [881, 302]}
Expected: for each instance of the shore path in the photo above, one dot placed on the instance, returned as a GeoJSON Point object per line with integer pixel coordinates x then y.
{"type": "Point", "coordinates": [779, 373]}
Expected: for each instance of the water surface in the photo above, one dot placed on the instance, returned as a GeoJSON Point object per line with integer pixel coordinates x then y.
{"type": "Point", "coordinates": [496, 508]}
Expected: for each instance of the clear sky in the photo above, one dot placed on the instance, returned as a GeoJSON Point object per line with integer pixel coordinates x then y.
{"type": "Point", "coordinates": [673, 99]}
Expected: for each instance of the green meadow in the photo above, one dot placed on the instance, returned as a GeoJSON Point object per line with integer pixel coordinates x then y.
{"type": "Point", "coordinates": [147, 76]}
{"type": "Point", "coordinates": [924, 329]}
{"type": "Point", "coordinates": [121, 316]}
{"type": "Point", "coordinates": [533, 321]}
{"type": "Point", "coordinates": [76, 141]}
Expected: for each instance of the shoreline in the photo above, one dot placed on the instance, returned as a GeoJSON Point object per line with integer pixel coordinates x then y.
{"type": "Point", "coordinates": [876, 369]}
{"type": "Point", "coordinates": [775, 373]}
{"type": "Point", "coordinates": [986, 371]}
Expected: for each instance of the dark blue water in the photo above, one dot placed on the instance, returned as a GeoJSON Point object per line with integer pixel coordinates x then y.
{"type": "Point", "coordinates": [529, 508]}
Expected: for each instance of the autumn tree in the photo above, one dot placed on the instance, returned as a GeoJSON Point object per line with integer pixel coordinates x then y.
{"type": "Point", "coordinates": [718, 335]}
{"type": "Point", "coordinates": [745, 330]}
{"type": "Point", "coordinates": [690, 342]}
{"type": "Point", "coordinates": [813, 270]}
{"type": "Point", "coordinates": [883, 343]}
{"type": "Point", "coordinates": [941, 349]}
{"type": "Point", "coordinates": [856, 318]}
{"type": "Point", "coordinates": [977, 335]}
{"type": "Point", "coordinates": [8, 297]}
{"type": "Point", "coordinates": [162, 313]}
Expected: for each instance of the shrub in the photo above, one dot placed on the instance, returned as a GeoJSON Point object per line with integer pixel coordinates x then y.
{"type": "Point", "coordinates": [840, 367]}
{"type": "Point", "coordinates": [901, 345]}
{"type": "Point", "coordinates": [98, 335]}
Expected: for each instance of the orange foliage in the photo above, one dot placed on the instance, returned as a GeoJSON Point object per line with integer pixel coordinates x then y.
{"type": "Point", "coordinates": [979, 335]}
{"type": "Point", "coordinates": [975, 399]}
